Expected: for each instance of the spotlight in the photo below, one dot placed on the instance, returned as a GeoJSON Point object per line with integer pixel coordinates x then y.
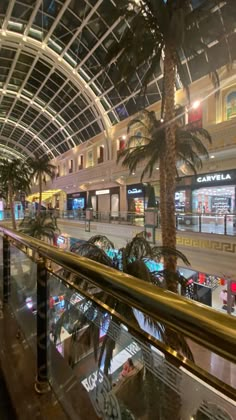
{"type": "Point", "coordinates": [196, 104]}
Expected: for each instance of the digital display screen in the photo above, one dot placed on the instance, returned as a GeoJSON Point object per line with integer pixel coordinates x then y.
{"type": "Point", "coordinates": [60, 240]}
{"type": "Point", "coordinates": [78, 203]}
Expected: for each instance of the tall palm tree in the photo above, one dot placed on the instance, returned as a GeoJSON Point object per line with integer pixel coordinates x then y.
{"type": "Point", "coordinates": [41, 168]}
{"type": "Point", "coordinates": [14, 177]}
{"type": "Point", "coordinates": [164, 32]}
{"type": "Point", "coordinates": [190, 150]}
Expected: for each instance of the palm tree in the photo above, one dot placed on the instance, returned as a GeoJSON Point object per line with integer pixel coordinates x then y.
{"type": "Point", "coordinates": [164, 32]}
{"type": "Point", "coordinates": [14, 177]}
{"type": "Point", "coordinates": [42, 226]}
{"type": "Point", "coordinates": [41, 168]}
{"type": "Point", "coordinates": [190, 150]}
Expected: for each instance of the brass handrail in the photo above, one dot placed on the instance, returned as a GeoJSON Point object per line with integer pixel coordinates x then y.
{"type": "Point", "coordinates": [202, 324]}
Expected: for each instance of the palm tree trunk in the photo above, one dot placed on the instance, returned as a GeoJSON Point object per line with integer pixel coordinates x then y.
{"type": "Point", "coordinates": [169, 88]}
{"type": "Point", "coordinates": [40, 193]}
{"type": "Point", "coordinates": [163, 200]}
{"type": "Point", "coordinates": [11, 203]}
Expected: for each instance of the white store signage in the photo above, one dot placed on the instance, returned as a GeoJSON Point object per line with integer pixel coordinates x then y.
{"type": "Point", "coordinates": [213, 178]}
{"type": "Point", "coordinates": [135, 191]}
{"type": "Point", "coordinates": [102, 192]}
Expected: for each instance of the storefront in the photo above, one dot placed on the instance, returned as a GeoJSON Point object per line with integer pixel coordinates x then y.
{"type": "Point", "coordinates": [106, 201]}
{"type": "Point", "coordinates": [76, 201]}
{"type": "Point", "coordinates": [207, 193]}
{"type": "Point", "coordinates": [136, 197]}
{"type": "Point", "coordinates": [214, 192]}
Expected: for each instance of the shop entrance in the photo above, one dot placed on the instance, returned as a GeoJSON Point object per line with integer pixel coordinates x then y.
{"type": "Point", "coordinates": [217, 200]}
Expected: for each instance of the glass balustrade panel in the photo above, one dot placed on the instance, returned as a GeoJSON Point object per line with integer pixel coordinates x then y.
{"type": "Point", "coordinates": [99, 369]}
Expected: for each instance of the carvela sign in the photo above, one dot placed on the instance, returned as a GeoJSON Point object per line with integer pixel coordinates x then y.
{"type": "Point", "coordinates": [216, 178]}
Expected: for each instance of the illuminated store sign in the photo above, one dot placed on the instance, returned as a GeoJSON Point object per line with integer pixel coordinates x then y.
{"type": "Point", "coordinates": [101, 192]}
{"type": "Point", "coordinates": [135, 191]}
{"type": "Point", "coordinates": [214, 178]}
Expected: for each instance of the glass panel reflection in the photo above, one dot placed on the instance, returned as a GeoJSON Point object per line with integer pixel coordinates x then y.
{"type": "Point", "coordinates": [23, 293]}
{"type": "Point", "coordinates": [100, 370]}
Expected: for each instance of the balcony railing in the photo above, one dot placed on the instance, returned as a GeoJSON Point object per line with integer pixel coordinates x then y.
{"type": "Point", "coordinates": [91, 319]}
{"type": "Point", "coordinates": [223, 224]}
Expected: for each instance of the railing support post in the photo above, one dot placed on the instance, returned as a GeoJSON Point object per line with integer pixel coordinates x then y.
{"type": "Point", "coordinates": [6, 269]}
{"type": "Point", "coordinates": [200, 223]}
{"type": "Point", "coordinates": [225, 224]}
{"type": "Point", "coordinates": [42, 379]}
{"type": "Point", "coordinates": [176, 222]}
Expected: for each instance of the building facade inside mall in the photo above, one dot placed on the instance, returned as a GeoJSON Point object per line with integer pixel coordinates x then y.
{"type": "Point", "coordinates": [57, 99]}
{"type": "Point", "coordinates": [91, 168]}
{"type": "Point", "coordinates": [118, 289]}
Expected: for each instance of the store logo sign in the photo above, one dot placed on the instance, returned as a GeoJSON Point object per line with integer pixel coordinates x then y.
{"type": "Point", "coordinates": [213, 178]}
{"type": "Point", "coordinates": [102, 192]}
{"type": "Point", "coordinates": [135, 191]}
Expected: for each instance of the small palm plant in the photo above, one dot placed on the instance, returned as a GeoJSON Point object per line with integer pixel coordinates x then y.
{"type": "Point", "coordinates": [42, 226]}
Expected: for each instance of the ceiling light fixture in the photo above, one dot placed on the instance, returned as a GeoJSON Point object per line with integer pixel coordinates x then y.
{"type": "Point", "coordinates": [212, 156]}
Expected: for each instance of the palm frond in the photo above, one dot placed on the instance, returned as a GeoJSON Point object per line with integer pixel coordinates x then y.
{"type": "Point", "coordinates": [158, 251]}
{"type": "Point", "coordinates": [137, 248]}
{"type": "Point", "coordinates": [102, 241]}
{"type": "Point", "coordinates": [92, 252]}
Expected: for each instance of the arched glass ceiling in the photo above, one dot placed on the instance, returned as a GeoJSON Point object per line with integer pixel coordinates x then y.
{"type": "Point", "coordinates": [54, 92]}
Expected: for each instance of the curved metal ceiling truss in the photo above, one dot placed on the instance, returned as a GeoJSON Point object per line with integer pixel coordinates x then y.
{"type": "Point", "coordinates": [54, 91]}
{"type": "Point", "coordinates": [12, 144]}
{"type": "Point", "coordinates": [12, 151]}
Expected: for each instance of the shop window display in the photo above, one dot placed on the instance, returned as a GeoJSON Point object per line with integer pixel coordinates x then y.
{"type": "Point", "coordinates": [180, 201]}
{"type": "Point", "coordinates": [217, 200]}
{"type": "Point", "coordinates": [210, 290]}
